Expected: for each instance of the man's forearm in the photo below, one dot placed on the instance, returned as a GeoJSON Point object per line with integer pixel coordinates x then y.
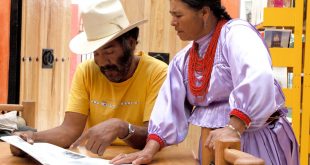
{"type": "Point", "coordinates": [138, 138]}
{"type": "Point", "coordinates": [60, 136]}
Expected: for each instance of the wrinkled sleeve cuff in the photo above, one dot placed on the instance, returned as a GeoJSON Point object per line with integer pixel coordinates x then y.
{"type": "Point", "coordinates": [242, 116]}
{"type": "Point", "coordinates": [158, 139]}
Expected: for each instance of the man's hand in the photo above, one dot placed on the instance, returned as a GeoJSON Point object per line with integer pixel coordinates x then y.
{"type": "Point", "coordinates": [28, 136]}
{"type": "Point", "coordinates": [102, 135]}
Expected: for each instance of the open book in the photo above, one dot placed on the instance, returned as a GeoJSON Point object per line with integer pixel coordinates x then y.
{"type": "Point", "coordinates": [49, 154]}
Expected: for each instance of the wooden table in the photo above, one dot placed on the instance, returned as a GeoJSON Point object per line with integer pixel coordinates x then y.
{"type": "Point", "coordinates": [172, 155]}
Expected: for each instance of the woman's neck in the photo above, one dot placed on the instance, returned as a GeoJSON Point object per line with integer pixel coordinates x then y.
{"type": "Point", "coordinates": [209, 27]}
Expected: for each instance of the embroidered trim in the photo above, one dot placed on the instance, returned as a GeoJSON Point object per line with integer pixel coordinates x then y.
{"type": "Point", "coordinates": [157, 139]}
{"type": "Point", "coordinates": [242, 116]}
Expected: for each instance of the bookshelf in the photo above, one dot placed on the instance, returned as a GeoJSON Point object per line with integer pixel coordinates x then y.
{"type": "Point", "coordinates": [299, 95]}
{"type": "Point", "coordinates": [289, 57]}
{"type": "Point", "coordinates": [305, 130]}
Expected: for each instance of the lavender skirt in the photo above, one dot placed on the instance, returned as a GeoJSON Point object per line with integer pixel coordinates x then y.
{"type": "Point", "coordinates": [274, 143]}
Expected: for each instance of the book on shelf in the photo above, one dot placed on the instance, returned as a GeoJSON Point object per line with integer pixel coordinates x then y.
{"type": "Point", "coordinates": [281, 75]}
{"type": "Point", "coordinates": [279, 3]}
{"type": "Point", "coordinates": [252, 10]}
{"type": "Point", "coordinates": [277, 38]}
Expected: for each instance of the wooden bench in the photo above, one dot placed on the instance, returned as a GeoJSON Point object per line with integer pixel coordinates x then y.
{"type": "Point", "coordinates": [26, 110]}
{"type": "Point", "coordinates": [227, 151]}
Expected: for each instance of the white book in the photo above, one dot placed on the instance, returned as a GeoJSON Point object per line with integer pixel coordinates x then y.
{"type": "Point", "coordinates": [280, 74]}
{"type": "Point", "coordinates": [252, 10]}
{"type": "Point", "coordinates": [49, 154]}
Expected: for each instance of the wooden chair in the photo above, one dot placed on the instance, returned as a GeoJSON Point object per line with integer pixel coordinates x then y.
{"type": "Point", "coordinates": [227, 151]}
{"type": "Point", "coordinates": [26, 110]}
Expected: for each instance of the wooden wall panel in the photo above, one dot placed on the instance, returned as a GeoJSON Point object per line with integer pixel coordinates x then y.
{"type": "Point", "coordinates": [157, 35]}
{"type": "Point", "coordinates": [5, 9]}
{"type": "Point", "coordinates": [46, 24]}
{"type": "Point", "coordinates": [30, 50]}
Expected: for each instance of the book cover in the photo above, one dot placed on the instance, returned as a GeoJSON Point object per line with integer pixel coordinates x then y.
{"type": "Point", "coordinates": [277, 38]}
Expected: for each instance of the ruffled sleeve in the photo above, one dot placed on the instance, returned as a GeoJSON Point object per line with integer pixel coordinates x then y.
{"type": "Point", "coordinates": [253, 96]}
{"type": "Point", "coordinates": [169, 118]}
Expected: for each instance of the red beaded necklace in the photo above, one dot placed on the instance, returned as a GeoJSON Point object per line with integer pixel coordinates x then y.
{"type": "Point", "coordinates": [203, 66]}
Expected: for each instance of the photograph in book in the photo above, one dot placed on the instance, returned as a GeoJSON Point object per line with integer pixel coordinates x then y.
{"type": "Point", "coordinates": [277, 38]}
{"type": "Point", "coordinates": [49, 154]}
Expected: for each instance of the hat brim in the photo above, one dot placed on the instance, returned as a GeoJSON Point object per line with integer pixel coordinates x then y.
{"type": "Point", "coordinates": [80, 45]}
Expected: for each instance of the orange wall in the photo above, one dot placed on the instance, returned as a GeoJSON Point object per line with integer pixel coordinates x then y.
{"type": "Point", "coordinates": [5, 8]}
{"type": "Point", "coordinates": [75, 25]}
{"type": "Point", "coordinates": [232, 7]}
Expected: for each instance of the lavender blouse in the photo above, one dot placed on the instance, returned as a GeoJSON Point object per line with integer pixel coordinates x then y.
{"type": "Point", "coordinates": [241, 79]}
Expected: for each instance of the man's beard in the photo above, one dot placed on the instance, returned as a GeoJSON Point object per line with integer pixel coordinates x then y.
{"type": "Point", "coordinates": [121, 68]}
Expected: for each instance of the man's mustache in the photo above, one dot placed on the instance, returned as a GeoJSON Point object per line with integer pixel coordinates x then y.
{"type": "Point", "coordinates": [109, 68]}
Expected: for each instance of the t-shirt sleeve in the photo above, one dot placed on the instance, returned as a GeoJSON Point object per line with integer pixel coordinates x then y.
{"type": "Point", "coordinates": [79, 93]}
{"type": "Point", "coordinates": [155, 83]}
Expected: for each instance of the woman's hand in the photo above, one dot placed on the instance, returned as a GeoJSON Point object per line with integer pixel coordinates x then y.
{"type": "Point", "coordinates": [221, 133]}
{"type": "Point", "coordinates": [28, 136]}
{"type": "Point", "coordinates": [234, 130]}
{"type": "Point", "coordinates": [141, 157]}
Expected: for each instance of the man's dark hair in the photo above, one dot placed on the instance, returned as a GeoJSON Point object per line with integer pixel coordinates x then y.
{"type": "Point", "coordinates": [215, 5]}
{"type": "Point", "coordinates": [128, 50]}
{"type": "Point", "coordinates": [133, 33]}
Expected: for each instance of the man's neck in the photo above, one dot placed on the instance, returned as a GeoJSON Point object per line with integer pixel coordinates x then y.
{"type": "Point", "coordinates": [133, 66]}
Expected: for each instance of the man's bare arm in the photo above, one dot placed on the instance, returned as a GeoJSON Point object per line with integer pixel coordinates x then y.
{"type": "Point", "coordinates": [65, 134]}
{"type": "Point", "coordinates": [138, 139]}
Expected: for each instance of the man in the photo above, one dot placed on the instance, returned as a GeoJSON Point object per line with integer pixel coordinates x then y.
{"type": "Point", "coordinates": [113, 93]}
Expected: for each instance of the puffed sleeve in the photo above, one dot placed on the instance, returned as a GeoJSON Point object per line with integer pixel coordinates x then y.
{"type": "Point", "coordinates": [169, 118]}
{"type": "Point", "coordinates": [253, 95]}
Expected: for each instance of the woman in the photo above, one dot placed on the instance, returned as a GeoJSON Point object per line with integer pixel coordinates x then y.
{"type": "Point", "coordinates": [226, 75]}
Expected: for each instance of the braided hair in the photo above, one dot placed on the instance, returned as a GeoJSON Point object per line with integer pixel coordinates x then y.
{"type": "Point", "coordinates": [215, 5]}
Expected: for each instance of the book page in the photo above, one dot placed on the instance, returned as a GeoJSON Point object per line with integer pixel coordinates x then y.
{"type": "Point", "coordinates": [49, 154]}
{"type": "Point", "coordinates": [26, 147]}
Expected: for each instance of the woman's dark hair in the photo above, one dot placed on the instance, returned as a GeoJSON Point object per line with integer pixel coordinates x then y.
{"type": "Point", "coordinates": [215, 5]}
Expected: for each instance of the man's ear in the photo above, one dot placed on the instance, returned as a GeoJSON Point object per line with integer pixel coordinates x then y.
{"type": "Point", "coordinates": [133, 42]}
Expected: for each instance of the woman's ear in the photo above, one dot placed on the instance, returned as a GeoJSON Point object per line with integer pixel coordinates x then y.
{"type": "Point", "coordinates": [206, 11]}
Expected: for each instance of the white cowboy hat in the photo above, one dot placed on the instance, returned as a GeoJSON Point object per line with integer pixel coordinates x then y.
{"type": "Point", "coordinates": [103, 21]}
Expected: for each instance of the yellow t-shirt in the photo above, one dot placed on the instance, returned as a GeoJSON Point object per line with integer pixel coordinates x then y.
{"type": "Point", "coordinates": [94, 95]}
